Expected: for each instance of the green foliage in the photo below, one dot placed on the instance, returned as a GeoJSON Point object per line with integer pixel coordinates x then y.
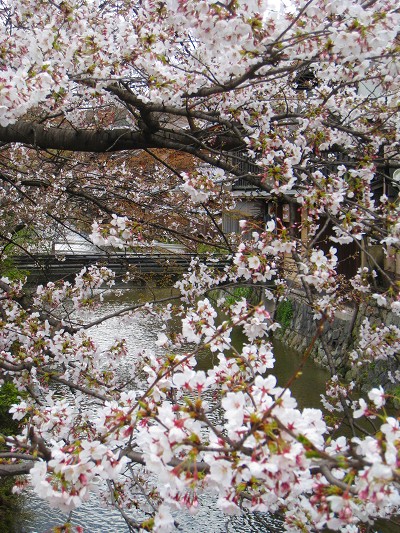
{"type": "Point", "coordinates": [7, 266]}
{"type": "Point", "coordinates": [394, 398]}
{"type": "Point", "coordinates": [208, 249]}
{"type": "Point", "coordinates": [11, 513]}
{"type": "Point", "coordinates": [9, 394]}
{"type": "Point", "coordinates": [284, 314]}
{"type": "Point", "coordinates": [237, 294]}
{"type": "Point", "coordinates": [10, 271]}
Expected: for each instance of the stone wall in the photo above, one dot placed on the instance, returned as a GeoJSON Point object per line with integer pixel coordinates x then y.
{"type": "Point", "coordinates": [340, 337]}
{"type": "Point", "coordinates": [302, 329]}
{"type": "Point", "coordinates": [375, 373]}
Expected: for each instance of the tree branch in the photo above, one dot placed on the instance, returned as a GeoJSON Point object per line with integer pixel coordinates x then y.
{"type": "Point", "coordinates": [82, 140]}
{"type": "Point", "coordinates": [18, 469]}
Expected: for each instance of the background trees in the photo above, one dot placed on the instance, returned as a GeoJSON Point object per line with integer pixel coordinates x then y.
{"type": "Point", "coordinates": [302, 105]}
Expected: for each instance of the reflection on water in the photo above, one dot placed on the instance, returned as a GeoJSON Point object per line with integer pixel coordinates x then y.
{"type": "Point", "coordinates": [308, 387]}
{"type": "Point", "coordinates": [91, 516]}
{"type": "Point", "coordinates": [95, 519]}
{"type": "Point", "coordinates": [141, 333]}
{"type": "Point", "coordinates": [310, 383]}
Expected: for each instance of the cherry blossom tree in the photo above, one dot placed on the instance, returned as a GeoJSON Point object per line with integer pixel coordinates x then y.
{"type": "Point", "coordinates": [300, 103]}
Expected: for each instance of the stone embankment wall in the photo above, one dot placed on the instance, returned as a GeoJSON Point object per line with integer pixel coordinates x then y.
{"type": "Point", "coordinates": [340, 337]}
{"type": "Point", "coordinates": [302, 329]}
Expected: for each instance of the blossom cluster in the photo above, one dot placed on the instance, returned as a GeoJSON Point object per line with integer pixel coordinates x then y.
{"type": "Point", "coordinates": [293, 108]}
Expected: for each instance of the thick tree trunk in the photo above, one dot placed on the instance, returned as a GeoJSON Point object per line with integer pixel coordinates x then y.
{"type": "Point", "coordinates": [83, 140]}
{"type": "Point", "coordinates": [18, 469]}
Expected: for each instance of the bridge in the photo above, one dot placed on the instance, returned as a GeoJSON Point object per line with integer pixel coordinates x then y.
{"type": "Point", "coordinates": [52, 267]}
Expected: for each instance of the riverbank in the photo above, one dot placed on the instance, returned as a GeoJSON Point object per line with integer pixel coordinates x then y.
{"type": "Point", "coordinates": [340, 336]}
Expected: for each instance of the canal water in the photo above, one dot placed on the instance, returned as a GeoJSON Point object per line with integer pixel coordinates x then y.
{"type": "Point", "coordinates": [141, 334]}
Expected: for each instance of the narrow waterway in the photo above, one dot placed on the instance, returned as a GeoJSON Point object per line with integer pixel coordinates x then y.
{"type": "Point", "coordinates": [141, 334]}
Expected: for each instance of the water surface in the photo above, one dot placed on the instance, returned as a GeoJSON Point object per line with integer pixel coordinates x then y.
{"type": "Point", "coordinates": [141, 333]}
